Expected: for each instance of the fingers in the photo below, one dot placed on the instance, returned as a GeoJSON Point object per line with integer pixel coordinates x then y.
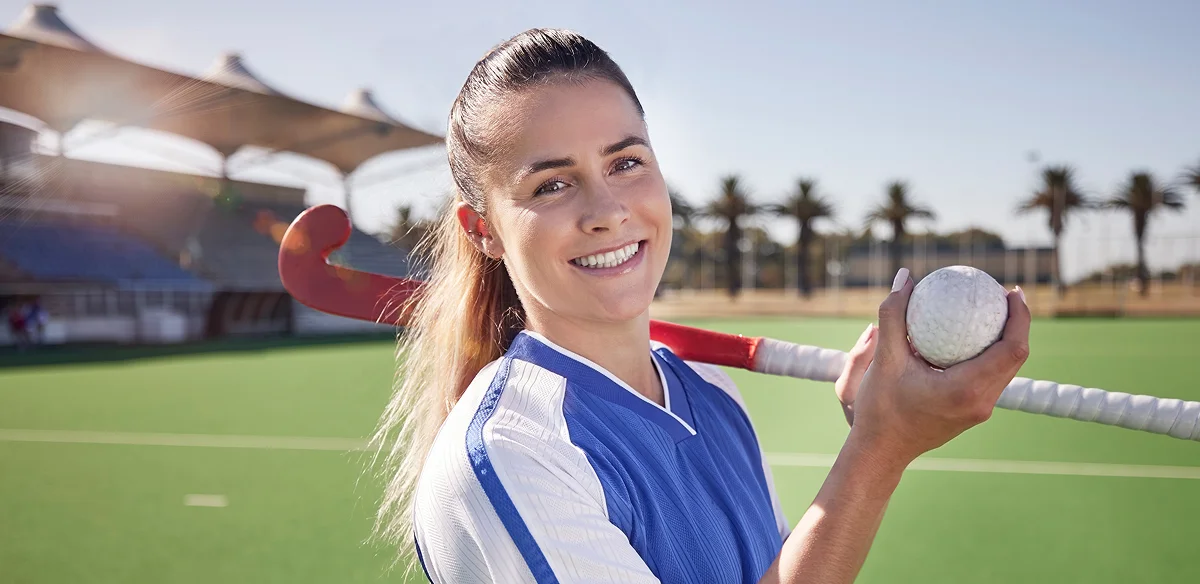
{"type": "Point", "coordinates": [859, 358]}
{"type": "Point", "coordinates": [1002, 360]}
{"type": "Point", "coordinates": [865, 345]}
{"type": "Point", "coordinates": [893, 327]}
{"type": "Point", "coordinates": [1019, 317]}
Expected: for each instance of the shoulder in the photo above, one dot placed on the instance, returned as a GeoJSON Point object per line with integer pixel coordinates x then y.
{"type": "Point", "coordinates": [504, 495]}
{"type": "Point", "coordinates": [718, 377]}
{"type": "Point", "coordinates": [509, 414]}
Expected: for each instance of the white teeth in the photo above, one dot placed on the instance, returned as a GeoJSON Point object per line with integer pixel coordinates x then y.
{"type": "Point", "coordinates": [610, 259]}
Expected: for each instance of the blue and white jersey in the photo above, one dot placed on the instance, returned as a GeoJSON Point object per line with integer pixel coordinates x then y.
{"type": "Point", "coordinates": [550, 469]}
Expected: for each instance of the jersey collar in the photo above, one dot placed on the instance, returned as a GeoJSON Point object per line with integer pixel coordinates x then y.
{"type": "Point", "coordinates": [675, 418]}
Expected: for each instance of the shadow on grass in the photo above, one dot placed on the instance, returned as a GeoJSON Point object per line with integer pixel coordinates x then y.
{"type": "Point", "coordinates": [11, 358]}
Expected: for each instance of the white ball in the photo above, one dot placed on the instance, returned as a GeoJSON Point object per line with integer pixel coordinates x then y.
{"type": "Point", "coordinates": [955, 313]}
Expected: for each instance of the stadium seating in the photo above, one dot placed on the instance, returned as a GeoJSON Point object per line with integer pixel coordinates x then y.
{"type": "Point", "coordinates": [239, 247]}
{"type": "Point", "coordinates": [84, 252]}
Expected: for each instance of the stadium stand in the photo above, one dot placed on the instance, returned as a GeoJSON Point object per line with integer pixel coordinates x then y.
{"type": "Point", "coordinates": [82, 252]}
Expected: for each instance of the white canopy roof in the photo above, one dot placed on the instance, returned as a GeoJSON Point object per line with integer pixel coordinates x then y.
{"type": "Point", "coordinates": [52, 73]}
{"type": "Point", "coordinates": [42, 23]}
{"type": "Point", "coordinates": [229, 70]}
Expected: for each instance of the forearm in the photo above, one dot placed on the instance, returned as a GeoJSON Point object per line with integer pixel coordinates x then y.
{"type": "Point", "coordinates": [831, 541]}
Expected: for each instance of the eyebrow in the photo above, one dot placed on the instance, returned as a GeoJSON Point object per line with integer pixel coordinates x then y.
{"type": "Point", "coordinates": [541, 165]}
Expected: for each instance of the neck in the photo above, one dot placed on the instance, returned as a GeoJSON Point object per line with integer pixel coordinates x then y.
{"type": "Point", "coordinates": [622, 349]}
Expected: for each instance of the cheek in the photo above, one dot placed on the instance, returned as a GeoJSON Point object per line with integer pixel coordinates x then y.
{"type": "Point", "coordinates": [655, 205]}
{"type": "Point", "coordinates": [535, 241]}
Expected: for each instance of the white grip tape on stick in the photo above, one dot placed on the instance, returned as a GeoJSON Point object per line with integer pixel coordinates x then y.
{"type": "Point", "coordinates": [1173, 417]}
{"type": "Point", "coordinates": [775, 357]}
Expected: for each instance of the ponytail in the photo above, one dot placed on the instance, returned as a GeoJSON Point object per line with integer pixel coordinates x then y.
{"type": "Point", "coordinates": [466, 317]}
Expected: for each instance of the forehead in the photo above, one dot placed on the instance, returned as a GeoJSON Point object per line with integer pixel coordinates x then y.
{"type": "Point", "coordinates": [560, 119]}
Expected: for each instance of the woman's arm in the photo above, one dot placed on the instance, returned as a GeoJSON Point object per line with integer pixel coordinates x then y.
{"type": "Point", "coordinates": [831, 541]}
{"type": "Point", "coordinates": [903, 408]}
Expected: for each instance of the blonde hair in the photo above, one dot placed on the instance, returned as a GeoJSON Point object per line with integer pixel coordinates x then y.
{"type": "Point", "coordinates": [469, 312]}
{"type": "Point", "coordinates": [464, 319]}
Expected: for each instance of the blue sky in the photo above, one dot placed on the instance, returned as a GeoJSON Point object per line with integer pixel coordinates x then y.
{"type": "Point", "coordinates": [948, 96]}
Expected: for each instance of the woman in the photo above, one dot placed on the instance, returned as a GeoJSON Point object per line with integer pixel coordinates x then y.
{"type": "Point", "coordinates": [537, 435]}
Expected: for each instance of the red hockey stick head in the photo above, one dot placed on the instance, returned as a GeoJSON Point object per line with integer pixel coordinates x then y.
{"type": "Point", "coordinates": [313, 281]}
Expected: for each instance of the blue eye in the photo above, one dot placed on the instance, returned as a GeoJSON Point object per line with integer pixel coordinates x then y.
{"type": "Point", "coordinates": [547, 187]}
{"type": "Point", "coordinates": [628, 163]}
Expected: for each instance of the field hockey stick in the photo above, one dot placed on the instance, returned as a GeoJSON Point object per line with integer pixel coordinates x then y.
{"type": "Point", "coordinates": [312, 281]}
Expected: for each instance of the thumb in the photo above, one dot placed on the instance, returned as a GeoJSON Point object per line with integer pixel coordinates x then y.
{"type": "Point", "coordinates": [893, 324]}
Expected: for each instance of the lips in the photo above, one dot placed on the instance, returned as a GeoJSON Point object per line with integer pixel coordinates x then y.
{"type": "Point", "coordinates": [609, 259]}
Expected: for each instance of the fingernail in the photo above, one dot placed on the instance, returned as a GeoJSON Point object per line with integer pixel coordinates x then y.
{"type": "Point", "coordinates": [901, 278]}
{"type": "Point", "coordinates": [1021, 292]}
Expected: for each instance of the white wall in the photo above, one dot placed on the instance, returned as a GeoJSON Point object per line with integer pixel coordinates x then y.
{"type": "Point", "coordinates": [308, 321]}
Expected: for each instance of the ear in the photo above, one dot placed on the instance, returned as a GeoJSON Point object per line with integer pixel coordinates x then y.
{"type": "Point", "coordinates": [477, 232]}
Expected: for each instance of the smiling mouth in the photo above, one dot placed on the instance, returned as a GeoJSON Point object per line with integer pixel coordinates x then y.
{"type": "Point", "coordinates": [610, 259]}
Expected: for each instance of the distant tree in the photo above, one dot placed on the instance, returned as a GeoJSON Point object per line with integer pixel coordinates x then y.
{"type": "Point", "coordinates": [972, 234]}
{"type": "Point", "coordinates": [730, 206]}
{"type": "Point", "coordinates": [1191, 177]}
{"type": "Point", "coordinates": [685, 214]}
{"type": "Point", "coordinates": [805, 206]}
{"type": "Point", "coordinates": [406, 231]}
{"type": "Point", "coordinates": [1141, 195]}
{"type": "Point", "coordinates": [896, 211]}
{"type": "Point", "coordinates": [1058, 196]}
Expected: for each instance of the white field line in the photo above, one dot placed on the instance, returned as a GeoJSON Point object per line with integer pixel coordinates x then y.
{"type": "Point", "coordinates": [206, 501]}
{"type": "Point", "coordinates": [782, 459]}
{"type": "Point", "coordinates": [202, 440]}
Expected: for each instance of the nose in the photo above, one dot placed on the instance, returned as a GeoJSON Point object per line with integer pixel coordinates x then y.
{"type": "Point", "coordinates": [604, 210]}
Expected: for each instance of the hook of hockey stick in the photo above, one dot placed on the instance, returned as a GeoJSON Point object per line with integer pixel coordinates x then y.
{"type": "Point", "coordinates": [308, 276]}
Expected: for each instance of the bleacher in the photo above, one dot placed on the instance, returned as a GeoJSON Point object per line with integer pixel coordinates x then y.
{"type": "Point", "coordinates": [85, 252]}
{"type": "Point", "coordinates": [240, 247]}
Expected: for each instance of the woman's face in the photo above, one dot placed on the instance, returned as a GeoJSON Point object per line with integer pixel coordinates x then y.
{"type": "Point", "coordinates": [577, 205]}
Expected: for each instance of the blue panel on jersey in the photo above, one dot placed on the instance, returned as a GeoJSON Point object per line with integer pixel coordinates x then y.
{"type": "Point", "coordinates": [679, 402]}
{"type": "Point", "coordinates": [509, 516]}
{"type": "Point", "coordinates": [695, 507]}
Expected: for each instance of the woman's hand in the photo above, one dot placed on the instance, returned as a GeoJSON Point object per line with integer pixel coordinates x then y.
{"type": "Point", "coordinates": [904, 407]}
{"type": "Point", "coordinates": [857, 361]}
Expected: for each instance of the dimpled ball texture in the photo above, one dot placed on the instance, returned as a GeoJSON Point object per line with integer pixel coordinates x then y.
{"type": "Point", "coordinates": [955, 313]}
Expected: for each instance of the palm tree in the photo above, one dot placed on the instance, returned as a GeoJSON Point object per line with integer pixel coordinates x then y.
{"type": "Point", "coordinates": [732, 203]}
{"type": "Point", "coordinates": [1059, 196]}
{"type": "Point", "coordinates": [1142, 196]}
{"type": "Point", "coordinates": [406, 231]}
{"type": "Point", "coordinates": [685, 213]}
{"type": "Point", "coordinates": [805, 206]}
{"type": "Point", "coordinates": [896, 212]}
{"type": "Point", "coordinates": [1191, 177]}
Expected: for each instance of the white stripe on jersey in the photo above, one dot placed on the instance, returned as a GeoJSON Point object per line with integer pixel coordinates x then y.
{"type": "Point", "coordinates": [551, 484]}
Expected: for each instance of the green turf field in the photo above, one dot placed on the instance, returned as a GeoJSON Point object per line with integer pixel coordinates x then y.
{"type": "Point", "coordinates": [96, 460]}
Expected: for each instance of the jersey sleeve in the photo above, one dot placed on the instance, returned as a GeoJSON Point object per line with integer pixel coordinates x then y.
{"type": "Point", "coordinates": [718, 377]}
{"type": "Point", "coordinates": [511, 499]}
